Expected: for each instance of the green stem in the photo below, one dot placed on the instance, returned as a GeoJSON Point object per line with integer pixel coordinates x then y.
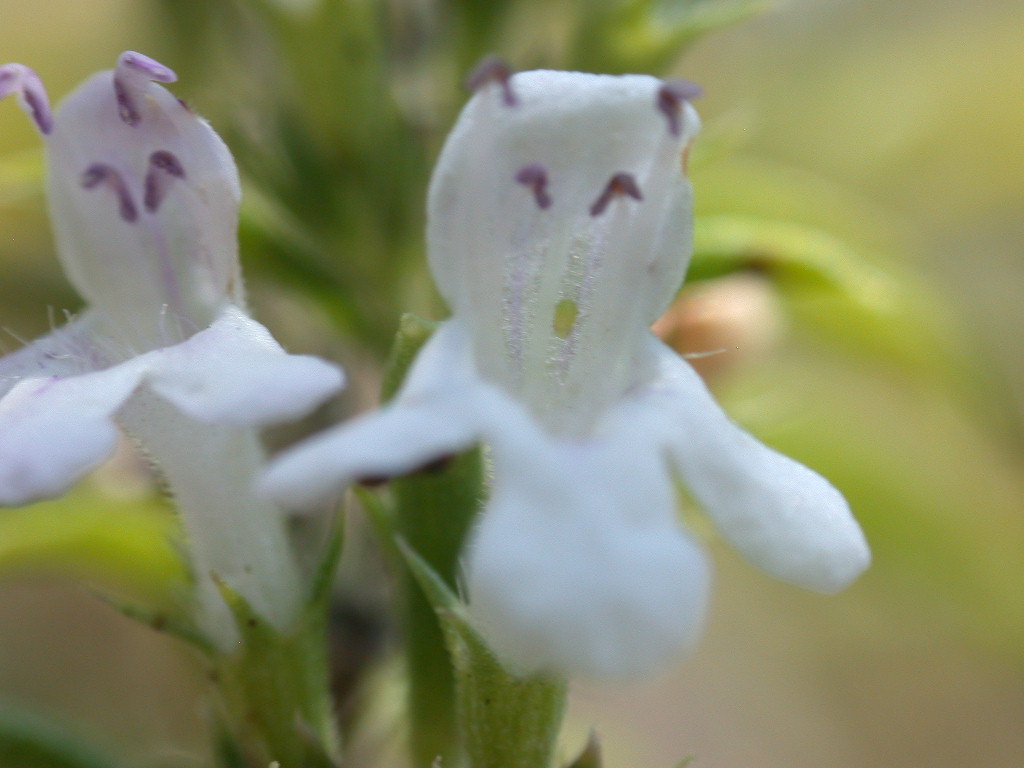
{"type": "Point", "coordinates": [273, 689]}
{"type": "Point", "coordinates": [433, 512]}
{"type": "Point", "coordinates": [463, 703]}
{"type": "Point", "coordinates": [505, 720]}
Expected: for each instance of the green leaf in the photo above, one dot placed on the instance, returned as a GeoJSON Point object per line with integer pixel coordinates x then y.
{"type": "Point", "coordinates": [30, 741]}
{"type": "Point", "coordinates": [381, 516]}
{"type": "Point", "coordinates": [505, 720]}
{"type": "Point", "coordinates": [131, 547]}
{"type": "Point", "coordinates": [172, 622]}
{"type": "Point", "coordinates": [647, 35]}
{"type": "Point", "coordinates": [321, 588]}
{"type": "Point", "coordinates": [832, 288]}
{"type": "Point", "coordinates": [273, 688]}
{"type": "Point", "coordinates": [440, 596]}
{"type": "Point", "coordinates": [433, 510]}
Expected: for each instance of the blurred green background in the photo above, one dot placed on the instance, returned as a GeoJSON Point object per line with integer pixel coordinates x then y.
{"type": "Point", "coordinates": [892, 128]}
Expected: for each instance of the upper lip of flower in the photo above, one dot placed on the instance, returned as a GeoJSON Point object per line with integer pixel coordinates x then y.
{"type": "Point", "coordinates": [559, 218]}
{"type": "Point", "coordinates": [558, 229]}
{"type": "Point", "coordinates": [143, 198]}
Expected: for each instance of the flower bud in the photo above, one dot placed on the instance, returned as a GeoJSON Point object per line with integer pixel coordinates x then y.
{"type": "Point", "coordinates": [724, 324]}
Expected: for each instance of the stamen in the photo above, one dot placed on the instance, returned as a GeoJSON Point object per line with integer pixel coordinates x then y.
{"type": "Point", "coordinates": [620, 184]}
{"type": "Point", "coordinates": [163, 168]}
{"type": "Point", "coordinates": [535, 176]}
{"type": "Point", "coordinates": [671, 97]}
{"type": "Point", "coordinates": [23, 81]}
{"type": "Point", "coordinates": [125, 106]}
{"type": "Point", "coordinates": [166, 161]}
{"type": "Point", "coordinates": [493, 69]}
{"type": "Point", "coordinates": [133, 72]}
{"type": "Point", "coordinates": [102, 174]}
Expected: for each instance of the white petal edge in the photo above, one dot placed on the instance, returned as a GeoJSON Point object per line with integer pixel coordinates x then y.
{"type": "Point", "coordinates": [436, 412]}
{"type": "Point", "coordinates": [56, 429]}
{"type": "Point", "coordinates": [578, 566]}
{"type": "Point", "coordinates": [785, 518]}
{"type": "Point", "coordinates": [234, 373]}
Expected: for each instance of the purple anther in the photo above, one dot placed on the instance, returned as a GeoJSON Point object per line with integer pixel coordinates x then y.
{"type": "Point", "coordinates": [25, 83]}
{"type": "Point", "coordinates": [493, 69]}
{"type": "Point", "coordinates": [99, 174]}
{"type": "Point", "coordinates": [620, 184]}
{"type": "Point", "coordinates": [164, 167]}
{"type": "Point", "coordinates": [149, 68]}
{"type": "Point", "coordinates": [167, 161]}
{"type": "Point", "coordinates": [671, 97]}
{"type": "Point", "coordinates": [132, 74]}
{"type": "Point", "coordinates": [535, 176]}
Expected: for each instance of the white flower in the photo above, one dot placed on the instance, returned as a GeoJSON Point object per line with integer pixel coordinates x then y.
{"type": "Point", "coordinates": [144, 202]}
{"type": "Point", "coordinates": [559, 229]}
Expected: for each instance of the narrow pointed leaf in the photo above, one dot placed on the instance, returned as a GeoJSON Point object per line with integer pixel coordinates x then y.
{"type": "Point", "coordinates": [170, 622]}
{"type": "Point", "coordinates": [323, 579]}
{"type": "Point", "coordinates": [274, 690]}
{"type": "Point", "coordinates": [504, 720]}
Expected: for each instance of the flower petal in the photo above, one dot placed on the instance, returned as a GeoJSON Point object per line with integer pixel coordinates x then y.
{"type": "Point", "coordinates": [144, 204]}
{"type": "Point", "coordinates": [435, 413]}
{"type": "Point", "coordinates": [234, 373]}
{"type": "Point", "coordinates": [55, 430]}
{"type": "Point", "coordinates": [785, 518]}
{"type": "Point", "coordinates": [578, 566]}
{"type": "Point", "coordinates": [559, 225]}
{"type": "Point", "coordinates": [233, 535]}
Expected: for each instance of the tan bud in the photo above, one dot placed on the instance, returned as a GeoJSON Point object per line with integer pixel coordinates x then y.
{"type": "Point", "coordinates": [724, 324]}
